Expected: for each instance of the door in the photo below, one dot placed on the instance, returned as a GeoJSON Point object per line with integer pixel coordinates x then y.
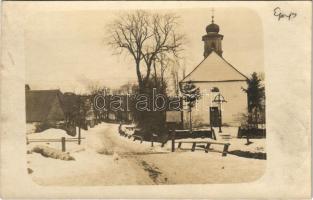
{"type": "Point", "coordinates": [214, 116]}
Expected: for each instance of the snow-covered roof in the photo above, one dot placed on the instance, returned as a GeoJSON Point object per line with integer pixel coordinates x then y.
{"type": "Point", "coordinates": [39, 103]}
{"type": "Point", "coordinates": [214, 68]}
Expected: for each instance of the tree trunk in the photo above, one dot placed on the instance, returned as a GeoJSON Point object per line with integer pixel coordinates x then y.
{"type": "Point", "coordinates": [190, 121]}
{"type": "Point", "coordinates": [162, 79]}
{"type": "Point", "coordinates": [139, 77]}
{"type": "Point", "coordinates": [155, 74]}
{"type": "Point", "coordinates": [79, 134]}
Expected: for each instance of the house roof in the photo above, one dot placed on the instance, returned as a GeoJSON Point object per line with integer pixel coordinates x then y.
{"type": "Point", "coordinates": [70, 102]}
{"type": "Point", "coordinates": [39, 104]}
{"type": "Point", "coordinates": [214, 68]}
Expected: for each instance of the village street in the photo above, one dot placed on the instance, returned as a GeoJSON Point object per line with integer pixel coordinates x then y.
{"type": "Point", "coordinates": [213, 93]}
{"type": "Point", "coordinates": [106, 158]}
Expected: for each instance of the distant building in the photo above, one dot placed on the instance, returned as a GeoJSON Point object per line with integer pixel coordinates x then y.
{"type": "Point", "coordinates": [217, 80]}
{"type": "Point", "coordinates": [53, 109]}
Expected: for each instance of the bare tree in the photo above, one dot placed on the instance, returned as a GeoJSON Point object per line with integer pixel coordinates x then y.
{"type": "Point", "coordinates": [95, 88]}
{"type": "Point", "coordinates": [191, 94]}
{"type": "Point", "coordinates": [177, 74]}
{"type": "Point", "coordinates": [163, 62]}
{"type": "Point", "coordinates": [145, 36]}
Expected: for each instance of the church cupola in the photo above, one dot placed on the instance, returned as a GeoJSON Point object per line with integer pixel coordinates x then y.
{"type": "Point", "coordinates": [212, 40]}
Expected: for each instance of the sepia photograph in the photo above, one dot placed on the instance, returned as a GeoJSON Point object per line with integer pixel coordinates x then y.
{"type": "Point", "coordinates": [155, 100]}
{"type": "Point", "coordinates": [143, 96]}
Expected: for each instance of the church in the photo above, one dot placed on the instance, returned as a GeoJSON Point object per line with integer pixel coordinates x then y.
{"type": "Point", "coordinates": [222, 98]}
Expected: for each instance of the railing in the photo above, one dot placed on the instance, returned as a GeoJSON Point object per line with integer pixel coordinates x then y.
{"type": "Point", "coordinates": [62, 140]}
{"type": "Point", "coordinates": [194, 143]}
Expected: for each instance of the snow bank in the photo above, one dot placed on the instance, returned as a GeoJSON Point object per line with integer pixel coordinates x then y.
{"type": "Point", "coordinates": [42, 138]}
{"type": "Point", "coordinates": [30, 128]}
{"type": "Point", "coordinates": [51, 133]}
{"type": "Point", "coordinates": [52, 153]}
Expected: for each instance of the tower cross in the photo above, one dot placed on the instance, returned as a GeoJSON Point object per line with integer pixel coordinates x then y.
{"type": "Point", "coordinates": [212, 15]}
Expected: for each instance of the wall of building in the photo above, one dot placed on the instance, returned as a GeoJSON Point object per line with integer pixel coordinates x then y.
{"type": "Point", "coordinates": [234, 95]}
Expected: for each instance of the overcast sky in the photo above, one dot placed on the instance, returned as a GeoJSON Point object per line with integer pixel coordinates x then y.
{"type": "Point", "coordinates": [66, 49]}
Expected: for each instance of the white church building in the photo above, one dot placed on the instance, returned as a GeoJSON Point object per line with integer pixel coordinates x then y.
{"type": "Point", "coordinates": [220, 84]}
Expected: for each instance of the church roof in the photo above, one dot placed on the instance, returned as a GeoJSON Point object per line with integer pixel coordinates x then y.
{"type": "Point", "coordinates": [214, 68]}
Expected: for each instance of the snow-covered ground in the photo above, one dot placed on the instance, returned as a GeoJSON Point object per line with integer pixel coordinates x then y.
{"type": "Point", "coordinates": [257, 145]}
{"type": "Point", "coordinates": [56, 134]}
{"type": "Point", "coordinates": [30, 128]}
{"type": "Point", "coordinates": [106, 158]}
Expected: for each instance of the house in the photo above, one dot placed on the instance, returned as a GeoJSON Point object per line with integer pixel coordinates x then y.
{"type": "Point", "coordinates": [219, 82]}
{"type": "Point", "coordinates": [50, 108]}
{"type": "Point", "coordinates": [44, 106]}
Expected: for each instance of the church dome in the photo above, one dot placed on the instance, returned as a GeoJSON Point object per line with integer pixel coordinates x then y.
{"type": "Point", "coordinates": [212, 28]}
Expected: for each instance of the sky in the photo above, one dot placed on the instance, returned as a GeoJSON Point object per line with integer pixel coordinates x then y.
{"type": "Point", "coordinates": [66, 49]}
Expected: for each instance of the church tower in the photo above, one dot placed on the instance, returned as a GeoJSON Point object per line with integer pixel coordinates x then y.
{"type": "Point", "coordinates": [212, 40]}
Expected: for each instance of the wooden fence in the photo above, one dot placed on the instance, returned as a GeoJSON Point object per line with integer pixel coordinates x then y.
{"type": "Point", "coordinates": [207, 133]}
{"type": "Point", "coordinates": [62, 140]}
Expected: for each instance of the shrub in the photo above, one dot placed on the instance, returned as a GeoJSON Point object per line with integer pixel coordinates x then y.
{"type": "Point", "coordinates": [43, 126]}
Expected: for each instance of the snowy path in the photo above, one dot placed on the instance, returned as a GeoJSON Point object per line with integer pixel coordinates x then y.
{"type": "Point", "coordinates": [106, 158]}
{"type": "Point", "coordinates": [126, 149]}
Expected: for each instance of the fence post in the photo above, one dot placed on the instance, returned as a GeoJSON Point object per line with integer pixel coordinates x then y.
{"type": "Point", "coordinates": [193, 146]}
{"type": "Point", "coordinates": [225, 150]}
{"type": "Point", "coordinates": [63, 144]}
{"type": "Point", "coordinates": [153, 138]}
{"type": "Point", "coordinates": [181, 114]}
{"type": "Point", "coordinates": [79, 135]}
{"type": "Point", "coordinates": [207, 148]}
{"type": "Point", "coordinates": [173, 140]}
{"type": "Point", "coordinates": [213, 133]}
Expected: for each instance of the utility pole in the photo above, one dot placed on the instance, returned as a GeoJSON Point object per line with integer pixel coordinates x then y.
{"type": "Point", "coordinates": [79, 119]}
{"type": "Point", "coordinates": [220, 119]}
{"type": "Point", "coordinates": [190, 121]}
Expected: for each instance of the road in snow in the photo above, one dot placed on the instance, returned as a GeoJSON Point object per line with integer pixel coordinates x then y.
{"type": "Point", "coordinates": [106, 158]}
{"type": "Point", "coordinates": [126, 150]}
